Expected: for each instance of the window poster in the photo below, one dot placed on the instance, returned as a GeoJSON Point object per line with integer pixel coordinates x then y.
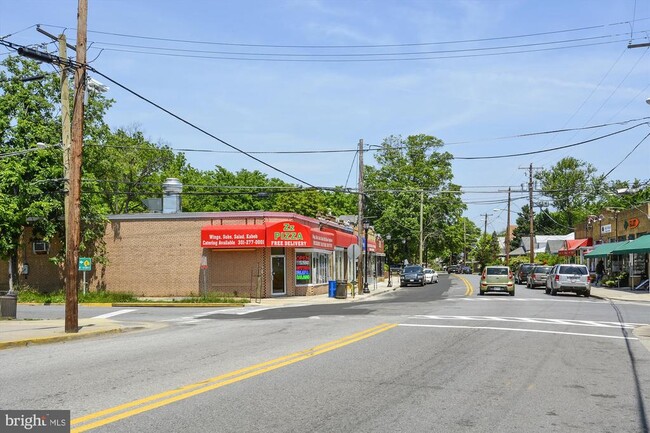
{"type": "Point", "coordinates": [303, 268]}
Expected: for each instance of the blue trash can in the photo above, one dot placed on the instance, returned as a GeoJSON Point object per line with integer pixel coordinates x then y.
{"type": "Point", "coordinates": [332, 289]}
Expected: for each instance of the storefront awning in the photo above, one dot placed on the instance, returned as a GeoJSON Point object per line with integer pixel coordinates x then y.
{"type": "Point", "coordinates": [233, 236]}
{"type": "Point", "coordinates": [572, 246]}
{"type": "Point", "coordinates": [603, 250]}
{"type": "Point", "coordinates": [341, 239]}
{"type": "Point", "coordinates": [322, 240]}
{"type": "Point", "coordinates": [286, 234]}
{"type": "Point", "coordinates": [638, 246]}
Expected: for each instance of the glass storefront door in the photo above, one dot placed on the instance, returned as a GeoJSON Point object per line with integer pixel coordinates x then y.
{"type": "Point", "coordinates": [278, 270]}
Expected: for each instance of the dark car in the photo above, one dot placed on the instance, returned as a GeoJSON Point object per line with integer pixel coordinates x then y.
{"type": "Point", "coordinates": [521, 276]}
{"type": "Point", "coordinates": [453, 269]}
{"type": "Point", "coordinates": [466, 270]}
{"type": "Point", "coordinates": [412, 275]}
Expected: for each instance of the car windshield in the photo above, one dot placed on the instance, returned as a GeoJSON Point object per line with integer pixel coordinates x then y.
{"type": "Point", "coordinates": [573, 270]}
{"type": "Point", "coordinates": [542, 270]}
{"type": "Point", "coordinates": [428, 271]}
{"type": "Point", "coordinates": [497, 271]}
{"type": "Point", "coordinates": [412, 269]}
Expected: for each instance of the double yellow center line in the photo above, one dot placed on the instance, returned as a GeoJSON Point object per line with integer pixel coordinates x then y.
{"type": "Point", "coordinates": [135, 407]}
{"type": "Point", "coordinates": [469, 289]}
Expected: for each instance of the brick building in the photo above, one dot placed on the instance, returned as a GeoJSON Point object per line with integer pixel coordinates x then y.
{"type": "Point", "coordinates": [248, 254]}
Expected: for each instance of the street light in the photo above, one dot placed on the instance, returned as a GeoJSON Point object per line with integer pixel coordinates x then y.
{"type": "Point", "coordinates": [390, 274]}
{"type": "Point", "coordinates": [39, 146]}
{"type": "Point", "coordinates": [366, 225]}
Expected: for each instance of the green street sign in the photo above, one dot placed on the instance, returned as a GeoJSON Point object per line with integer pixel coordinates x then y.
{"type": "Point", "coordinates": [85, 264]}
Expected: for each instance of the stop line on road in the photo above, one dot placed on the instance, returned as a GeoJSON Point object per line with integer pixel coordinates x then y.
{"type": "Point", "coordinates": [570, 322]}
{"type": "Point", "coordinates": [624, 327]}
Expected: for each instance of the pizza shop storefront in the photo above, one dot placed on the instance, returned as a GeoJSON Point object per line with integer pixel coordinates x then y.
{"type": "Point", "coordinates": [273, 259]}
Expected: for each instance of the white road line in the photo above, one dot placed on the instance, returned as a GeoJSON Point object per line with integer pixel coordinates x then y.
{"type": "Point", "coordinates": [241, 313]}
{"type": "Point", "coordinates": [544, 321]}
{"type": "Point", "coordinates": [539, 331]}
{"type": "Point", "coordinates": [114, 313]}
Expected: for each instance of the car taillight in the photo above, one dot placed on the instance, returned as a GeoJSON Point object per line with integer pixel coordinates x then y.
{"type": "Point", "coordinates": [483, 276]}
{"type": "Point", "coordinates": [557, 278]}
{"type": "Point", "coordinates": [532, 276]}
{"type": "Point", "coordinates": [588, 278]}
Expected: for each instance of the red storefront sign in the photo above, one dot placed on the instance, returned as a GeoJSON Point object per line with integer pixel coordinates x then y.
{"type": "Point", "coordinates": [322, 240]}
{"type": "Point", "coordinates": [287, 234]}
{"type": "Point", "coordinates": [233, 236]}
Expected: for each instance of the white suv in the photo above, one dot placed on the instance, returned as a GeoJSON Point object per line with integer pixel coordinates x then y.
{"type": "Point", "coordinates": [568, 278]}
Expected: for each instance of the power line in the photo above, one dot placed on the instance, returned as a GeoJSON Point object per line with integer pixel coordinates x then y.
{"type": "Point", "coordinates": [238, 44]}
{"type": "Point", "coordinates": [192, 125]}
{"type": "Point", "coordinates": [407, 53]}
{"type": "Point", "coordinates": [347, 60]}
{"type": "Point", "coordinates": [535, 152]}
{"type": "Point", "coordinates": [367, 149]}
{"type": "Point", "coordinates": [626, 156]}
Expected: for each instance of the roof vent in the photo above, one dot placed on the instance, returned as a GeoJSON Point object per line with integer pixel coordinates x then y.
{"type": "Point", "coordinates": [172, 189]}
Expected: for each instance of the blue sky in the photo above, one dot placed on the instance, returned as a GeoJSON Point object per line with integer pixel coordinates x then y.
{"type": "Point", "coordinates": [467, 100]}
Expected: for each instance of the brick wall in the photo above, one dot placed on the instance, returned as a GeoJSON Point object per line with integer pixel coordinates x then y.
{"type": "Point", "coordinates": [154, 257]}
{"type": "Point", "coordinates": [43, 273]}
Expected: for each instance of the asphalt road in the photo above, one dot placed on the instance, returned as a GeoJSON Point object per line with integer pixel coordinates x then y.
{"type": "Point", "coordinates": [420, 359]}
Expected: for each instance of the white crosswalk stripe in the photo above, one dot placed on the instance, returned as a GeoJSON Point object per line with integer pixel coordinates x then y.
{"type": "Point", "coordinates": [566, 322]}
{"type": "Point", "coordinates": [115, 313]}
{"type": "Point", "coordinates": [201, 317]}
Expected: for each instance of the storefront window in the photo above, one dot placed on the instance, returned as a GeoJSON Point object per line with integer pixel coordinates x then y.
{"type": "Point", "coordinates": [339, 259]}
{"type": "Point", "coordinates": [312, 268]}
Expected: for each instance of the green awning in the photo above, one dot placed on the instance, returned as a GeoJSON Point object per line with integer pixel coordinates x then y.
{"type": "Point", "coordinates": [639, 246]}
{"type": "Point", "coordinates": [603, 250]}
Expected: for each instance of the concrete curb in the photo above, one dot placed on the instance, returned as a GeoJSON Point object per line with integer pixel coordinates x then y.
{"type": "Point", "coordinates": [175, 304]}
{"type": "Point", "coordinates": [66, 337]}
{"type": "Point", "coordinates": [141, 304]}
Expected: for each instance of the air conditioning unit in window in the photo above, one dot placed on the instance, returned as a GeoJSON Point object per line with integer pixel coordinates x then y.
{"type": "Point", "coordinates": [41, 247]}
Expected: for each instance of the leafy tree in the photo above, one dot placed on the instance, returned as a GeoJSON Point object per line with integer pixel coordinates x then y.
{"type": "Point", "coordinates": [412, 172]}
{"type": "Point", "coordinates": [125, 169]}
{"type": "Point", "coordinates": [487, 250]}
{"type": "Point", "coordinates": [572, 185]}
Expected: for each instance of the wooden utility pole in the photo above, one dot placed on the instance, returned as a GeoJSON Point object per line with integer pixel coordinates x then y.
{"type": "Point", "coordinates": [73, 235]}
{"type": "Point", "coordinates": [66, 138]}
{"type": "Point", "coordinates": [508, 232]}
{"type": "Point", "coordinates": [360, 220]}
{"type": "Point", "coordinates": [532, 230]}
{"type": "Point", "coordinates": [485, 226]}
{"type": "Point", "coordinates": [421, 226]}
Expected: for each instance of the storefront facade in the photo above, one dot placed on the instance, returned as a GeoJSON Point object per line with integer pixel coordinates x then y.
{"type": "Point", "coordinates": [611, 231]}
{"type": "Point", "coordinates": [244, 254]}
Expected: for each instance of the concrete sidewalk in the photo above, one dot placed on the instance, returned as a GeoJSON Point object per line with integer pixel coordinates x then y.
{"type": "Point", "coordinates": [14, 333]}
{"type": "Point", "coordinates": [620, 294]}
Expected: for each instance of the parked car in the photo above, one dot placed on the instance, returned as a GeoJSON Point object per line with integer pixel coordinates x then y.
{"type": "Point", "coordinates": [395, 268]}
{"type": "Point", "coordinates": [497, 279]}
{"type": "Point", "coordinates": [430, 276]}
{"type": "Point", "coordinates": [569, 278]}
{"type": "Point", "coordinates": [412, 275]}
{"type": "Point", "coordinates": [537, 277]}
{"type": "Point", "coordinates": [521, 275]}
{"type": "Point", "coordinates": [452, 269]}
{"type": "Point", "coordinates": [465, 270]}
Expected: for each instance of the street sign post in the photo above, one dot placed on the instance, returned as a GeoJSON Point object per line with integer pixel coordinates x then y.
{"type": "Point", "coordinates": [85, 264]}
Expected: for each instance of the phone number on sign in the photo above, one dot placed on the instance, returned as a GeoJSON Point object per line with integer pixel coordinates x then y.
{"type": "Point", "coordinates": [250, 242]}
